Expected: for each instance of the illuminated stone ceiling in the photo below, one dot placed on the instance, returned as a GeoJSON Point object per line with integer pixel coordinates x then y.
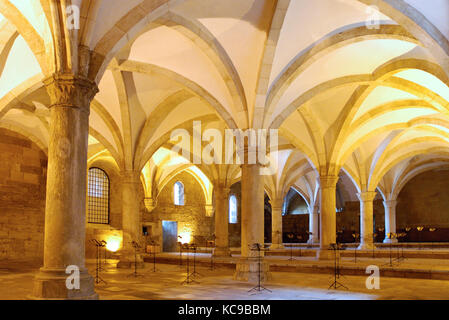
{"type": "Point", "coordinates": [371, 103]}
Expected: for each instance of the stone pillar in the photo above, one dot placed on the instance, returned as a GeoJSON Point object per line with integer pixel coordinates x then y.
{"type": "Point", "coordinates": [65, 208]}
{"type": "Point", "coordinates": [314, 217]}
{"type": "Point", "coordinates": [221, 201]}
{"type": "Point", "coordinates": [390, 220]}
{"type": "Point", "coordinates": [366, 219]}
{"type": "Point", "coordinates": [328, 223]}
{"type": "Point", "coordinates": [131, 221]}
{"type": "Point", "coordinates": [276, 225]}
{"type": "Point", "coordinates": [252, 224]}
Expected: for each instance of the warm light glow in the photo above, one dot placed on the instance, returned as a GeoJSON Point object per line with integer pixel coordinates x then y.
{"type": "Point", "coordinates": [113, 244]}
{"type": "Point", "coordinates": [185, 237]}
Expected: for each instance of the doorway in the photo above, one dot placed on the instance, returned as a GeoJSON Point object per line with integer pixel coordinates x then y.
{"type": "Point", "coordinates": [169, 236]}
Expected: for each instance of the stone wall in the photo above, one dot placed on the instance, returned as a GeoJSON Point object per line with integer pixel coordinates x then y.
{"type": "Point", "coordinates": [424, 201]}
{"type": "Point", "coordinates": [104, 232]}
{"type": "Point", "coordinates": [191, 217]}
{"type": "Point", "coordinates": [23, 173]}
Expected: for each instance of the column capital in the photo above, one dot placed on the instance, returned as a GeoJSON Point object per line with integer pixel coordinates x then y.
{"type": "Point", "coordinates": [68, 90]}
{"type": "Point", "coordinates": [277, 204]}
{"type": "Point", "coordinates": [327, 182]}
{"type": "Point", "coordinates": [367, 196]}
{"type": "Point", "coordinates": [390, 203]}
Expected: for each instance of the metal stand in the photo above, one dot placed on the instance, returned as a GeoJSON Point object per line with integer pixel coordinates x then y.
{"type": "Point", "coordinates": [189, 279]}
{"type": "Point", "coordinates": [153, 246]}
{"type": "Point", "coordinates": [180, 252]}
{"type": "Point", "coordinates": [299, 237]}
{"type": "Point", "coordinates": [290, 236]}
{"type": "Point", "coordinates": [212, 253]}
{"type": "Point", "coordinates": [258, 288]}
{"type": "Point", "coordinates": [194, 273]}
{"type": "Point", "coordinates": [135, 274]}
{"type": "Point", "coordinates": [98, 269]}
{"type": "Point", "coordinates": [336, 284]}
{"type": "Point", "coordinates": [356, 236]}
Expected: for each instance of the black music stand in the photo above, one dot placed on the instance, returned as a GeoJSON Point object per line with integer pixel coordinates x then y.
{"type": "Point", "coordinates": [180, 251]}
{"type": "Point", "coordinates": [374, 246]}
{"type": "Point", "coordinates": [290, 236]}
{"type": "Point", "coordinates": [135, 246]}
{"type": "Point", "coordinates": [153, 251]}
{"type": "Point", "coordinates": [299, 237]}
{"type": "Point", "coordinates": [258, 288]}
{"type": "Point", "coordinates": [98, 269]}
{"type": "Point", "coordinates": [391, 236]}
{"type": "Point", "coordinates": [356, 237]}
{"type": "Point", "coordinates": [212, 253]}
{"type": "Point", "coordinates": [336, 284]}
{"type": "Point", "coordinates": [194, 248]}
{"type": "Point", "coordinates": [189, 279]}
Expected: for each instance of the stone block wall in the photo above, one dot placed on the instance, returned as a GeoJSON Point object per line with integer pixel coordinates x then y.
{"type": "Point", "coordinates": [23, 171]}
{"type": "Point", "coordinates": [424, 201]}
{"type": "Point", "coordinates": [191, 217]}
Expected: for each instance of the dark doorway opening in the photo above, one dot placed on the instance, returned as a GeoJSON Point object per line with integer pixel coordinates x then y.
{"type": "Point", "coordinates": [169, 236]}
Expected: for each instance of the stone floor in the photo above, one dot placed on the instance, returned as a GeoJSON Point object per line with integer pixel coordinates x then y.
{"type": "Point", "coordinates": [16, 281]}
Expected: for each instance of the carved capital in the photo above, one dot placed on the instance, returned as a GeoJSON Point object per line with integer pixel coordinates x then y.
{"type": "Point", "coordinates": [67, 90]}
{"type": "Point", "coordinates": [367, 196]}
{"type": "Point", "coordinates": [327, 182]}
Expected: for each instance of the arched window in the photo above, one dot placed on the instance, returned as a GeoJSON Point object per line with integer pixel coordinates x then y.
{"type": "Point", "coordinates": [178, 192]}
{"type": "Point", "coordinates": [98, 197]}
{"type": "Point", "coordinates": [232, 209]}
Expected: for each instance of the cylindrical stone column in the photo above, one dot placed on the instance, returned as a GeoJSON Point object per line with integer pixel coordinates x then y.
{"type": "Point", "coordinates": [276, 225]}
{"type": "Point", "coordinates": [390, 220]}
{"type": "Point", "coordinates": [314, 217]}
{"type": "Point", "coordinates": [221, 202]}
{"type": "Point", "coordinates": [131, 221]}
{"type": "Point", "coordinates": [252, 208]}
{"type": "Point", "coordinates": [65, 208]}
{"type": "Point", "coordinates": [328, 223]}
{"type": "Point", "coordinates": [366, 219]}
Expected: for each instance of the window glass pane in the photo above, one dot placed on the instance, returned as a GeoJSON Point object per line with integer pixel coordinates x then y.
{"type": "Point", "coordinates": [98, 197]}
{"type": "Point", "coordinates": [233, 209]}
{"type": "Point", "coordinates": [179, 194]}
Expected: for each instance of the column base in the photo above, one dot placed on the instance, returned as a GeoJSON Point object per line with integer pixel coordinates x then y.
{"type": "Point", "coordinates": [325, 254]}
{"type": "Point", "coordinates": [277, 246]}
{"type": "Point", "coordinates": [313, 241]}
{"type": "Point", "coordinates": [50, 284]}
{"type": "Point", "coordinates": [247, 269]}
{"type": "Point", "coordinates": [386, 240]}
{"type": "Point", "coordinates": [366, 246]}
{"type": "Point", "coordinates": [222, 252]}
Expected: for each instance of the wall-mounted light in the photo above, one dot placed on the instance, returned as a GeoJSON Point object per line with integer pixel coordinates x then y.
{"type": "Point", "coordinates": [113, 243]}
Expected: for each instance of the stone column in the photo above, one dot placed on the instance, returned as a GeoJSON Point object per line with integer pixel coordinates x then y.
{"type": "Point", "coordinates": [390, 220]}
{"type": "Point", "coordinates": [276, 225]}
{"type": "Point", "coordinates": [65, 208]}
{"type": "Point", "coordinates": [314, 225]}
{"type": "Point", "coordinates": [221, 201]}
{"type": "Point", "coordinates": [328, 223]}
{"type": "Point", "coordinates": [252, 224]}
{"type": "Point", "coordinates": [131, 221]}
{"type": "Point", "coordinates": [366, 219]}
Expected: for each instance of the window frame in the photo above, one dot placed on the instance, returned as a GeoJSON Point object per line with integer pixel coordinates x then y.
{"type": "Point", "coordinates": [175, 195]}
{"type": "Point", "coordinates": [108, 198]}
{"type": "Point", "coordinates": [233, 196]}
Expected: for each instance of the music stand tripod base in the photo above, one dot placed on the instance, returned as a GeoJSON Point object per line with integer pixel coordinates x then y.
{"type": "Point", "coordinates": [336, 284]}
{"type": "Point", "coordinates": [259, 288]}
